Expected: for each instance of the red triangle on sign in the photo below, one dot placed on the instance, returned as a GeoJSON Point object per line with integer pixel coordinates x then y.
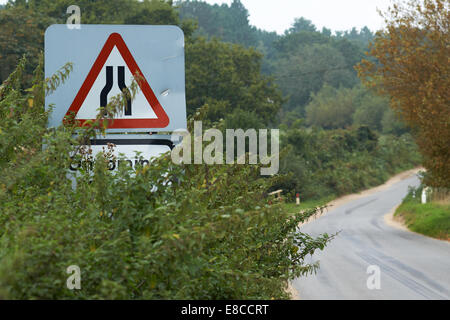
{"type": "Point", "coordinates": [116, 40]}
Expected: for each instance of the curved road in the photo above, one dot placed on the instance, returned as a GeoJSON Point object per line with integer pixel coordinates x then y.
{"type": "Point", "coordinates": [411, 266]}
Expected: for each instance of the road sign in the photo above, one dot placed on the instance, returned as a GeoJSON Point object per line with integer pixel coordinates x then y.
{"type": "Point", "coordinates": [105, 59]}
{"type": "Point", "coordinates": [127, 146]}
{"type": "Point", "coordinates": [115, 56]}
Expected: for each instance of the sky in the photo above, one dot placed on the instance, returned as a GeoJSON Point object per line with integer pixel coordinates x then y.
{"type": "Point", "coordinates": [278, 15]}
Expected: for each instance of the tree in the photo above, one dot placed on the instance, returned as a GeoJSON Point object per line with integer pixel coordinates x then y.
{"type": "Point", "coordinates": [371, 110]}
{"type": "Point", "coordinates": [362, 38]}
{"type": "Point", "coordinates": [305, 71]}
{"type": "Point", "coordinates": [413, 69]}
{"type": "Point", "coordinates": [243, 119]}
{"type": "Point", "coordinates": [392, 123]}
{"type": "Point", "coordinates": [92, 12]}
{"type": "Point", "coordinates": [304, 61]}
{"type": "Point", "coordinates": [22, 32]}
{"type": "Point", "coordinates": [302, 24]}
{"type": "Point", "coordinates": [229, 23]}
{"type": "Point", "coordinates": [331, 108]}
{"type": "Point", "coordinates": [226, 77]}
{"type": "Point", "coordinates": [153, 12]}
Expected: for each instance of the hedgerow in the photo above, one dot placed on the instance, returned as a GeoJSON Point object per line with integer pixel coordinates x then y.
{"type": "Point", "coordinates": [162, 231]}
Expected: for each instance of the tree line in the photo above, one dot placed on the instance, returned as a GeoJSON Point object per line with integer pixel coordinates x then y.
{"type": "Point", "coordinates": [322, 99]}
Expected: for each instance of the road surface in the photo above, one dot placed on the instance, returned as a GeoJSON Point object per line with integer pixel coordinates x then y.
{"type": "Point", "coordinates": [411, 266]}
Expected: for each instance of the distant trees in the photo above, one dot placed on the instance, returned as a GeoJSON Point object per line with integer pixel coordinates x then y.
{"type": "Point", "coordinates": [153, 12]}
{"type": "Point", "coordinates": [227, 77]}
{"type": "Point", "coordinates": [413, 69]}
{"type": "Point", "coordinates": [302, 61]}
{"type": "Point", "coordinates": [331, 108]}
{"type": "Point", "coordinates": [92, 12]}
{"type": "Point", "coordinates": [304, 70]}
{"type": "Point", "coordinates": [319, 163]}
{"type": "Point", "coordinates": [341, 108]}
{"type": "Point", "coordinates": [302, 24]}
{"type": "Point", "coordinates": [229, 23]}
{"type": "Point", "coordinates": [22, 32]}
{"type": "Point", "coordinates": [392, 123]}
{"type": "Point", "coordinates": [363, 37]}
{"type": "Point", "coordinates": [370, 111]}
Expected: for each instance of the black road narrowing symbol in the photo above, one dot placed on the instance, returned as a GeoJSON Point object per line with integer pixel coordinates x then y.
{"type": "Point", "coordinates": [122, 87]}
{"type": "Point", "coordinates": [107, 88]}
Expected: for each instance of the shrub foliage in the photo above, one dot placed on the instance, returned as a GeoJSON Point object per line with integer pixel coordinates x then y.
{"type": "Point", "coordinates": [156, 232]}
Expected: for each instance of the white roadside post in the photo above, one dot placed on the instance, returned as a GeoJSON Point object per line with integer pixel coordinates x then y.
{"type": "Point", "coordinates": [424, 196]}
{"type": "Point", "coordinates": [425, 193]}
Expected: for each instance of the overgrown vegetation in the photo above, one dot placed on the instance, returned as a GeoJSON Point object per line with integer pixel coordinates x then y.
{"type": "Point", "coordinates": [431, 219]}
{"type": "Point", "coordinates": [319, 163]}
{"type": "Point", "coordinates": [165, 232]}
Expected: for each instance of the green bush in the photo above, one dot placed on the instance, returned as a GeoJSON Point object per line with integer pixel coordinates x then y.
{"type": "Point", "coordinates": [158, 232]}
{"type": "Point", "coordinates": [319, 163]}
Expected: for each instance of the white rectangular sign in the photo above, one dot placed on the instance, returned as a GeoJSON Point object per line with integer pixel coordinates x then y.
{"type": "Point", "coordinates": [122, 155]}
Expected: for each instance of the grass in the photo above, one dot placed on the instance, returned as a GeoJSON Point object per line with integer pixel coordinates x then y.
{"type": "Point", "coordinates": [431, 219]}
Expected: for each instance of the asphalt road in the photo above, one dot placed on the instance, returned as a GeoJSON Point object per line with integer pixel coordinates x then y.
{"type": "Point", "coordinates": [411, 266]}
